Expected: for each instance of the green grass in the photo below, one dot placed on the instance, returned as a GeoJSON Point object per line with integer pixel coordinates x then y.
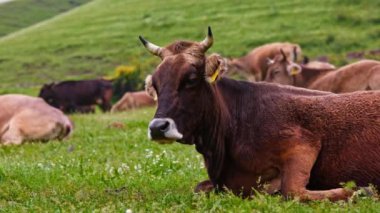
{"type": "Point", "coordinates": [92, 40]}
{"type": "Point", "coordinates": [109, 169]}
{"type": "Point", "coordinates": [16, 15]}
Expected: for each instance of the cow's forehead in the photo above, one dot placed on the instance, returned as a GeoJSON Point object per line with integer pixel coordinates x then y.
{"type": "Point", "coordinates": [175, 66]}
{"type": "Point", "coordinates": [183, 47]}
{"type": "Point", "coordinates": [178, 63]}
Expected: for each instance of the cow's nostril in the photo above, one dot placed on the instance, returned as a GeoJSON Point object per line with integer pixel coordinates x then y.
{"type": "Point", "coordinates": [165, 126]}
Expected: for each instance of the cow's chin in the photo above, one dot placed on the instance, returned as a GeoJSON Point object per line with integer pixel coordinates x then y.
{"type": "Point", "coordinates": [188, 140]}
{"type": "Point", "coordinates": [170, 141]}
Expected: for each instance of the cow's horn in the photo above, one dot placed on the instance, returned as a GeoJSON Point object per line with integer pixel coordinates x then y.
{"type": "Point", "coordinates": [152, 48]}
{"type": "Point", "coordinates": [295, 54]}
{"type": "Point", "coordinates": [207, 42]}
{"type": "Point", "coordinates": [283, 54]}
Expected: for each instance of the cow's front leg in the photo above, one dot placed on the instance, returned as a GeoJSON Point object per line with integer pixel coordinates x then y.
{"type": "Point", "coordinates": [204, 186]}
{"type": "Point", "coordinates": [298, 163]}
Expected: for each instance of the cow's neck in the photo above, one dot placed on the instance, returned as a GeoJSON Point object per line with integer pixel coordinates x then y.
{"type": "Point", "coordinates": [225, 111]}
{"type": "Point", "coordinates": [212, 137]}
{"type": "Point", "coordinates": [309, 75]}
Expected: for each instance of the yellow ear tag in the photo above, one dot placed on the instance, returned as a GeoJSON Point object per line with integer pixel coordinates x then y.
{"type": "Point", "coordinates": [214, 76]}
{"type": "Point", "coordinates": [294, 71]}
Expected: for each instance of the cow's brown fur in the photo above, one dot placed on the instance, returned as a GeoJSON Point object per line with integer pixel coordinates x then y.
{"type": "Point", "coordinates": [301, 142]}
{"type": "Point", "coordinates": [353, 77]}
{"type": "Point", "coordinates": [132, 100]}
{"type": "Point", "coordinates": [24, 118]}
{"type": "Point", "coordinates": [254, 65]}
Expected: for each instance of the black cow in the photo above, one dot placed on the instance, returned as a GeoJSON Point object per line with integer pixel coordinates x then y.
{"type": "Point", "coordinates": [71, 96]}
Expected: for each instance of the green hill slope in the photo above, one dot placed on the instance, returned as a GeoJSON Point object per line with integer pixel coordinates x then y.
{"type": "Point", "coordinates": [93, 39]}
{"type": "Point", "coordinates": [19, 14]}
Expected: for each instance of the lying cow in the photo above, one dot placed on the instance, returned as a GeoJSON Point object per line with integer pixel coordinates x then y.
{"type": "Point", "coordinates": [254, 65]}
{"type": "Point", "coordinates": [24, 118]}
{"type": "Point", "coordinates": [353, 77]}
{"type": "Point", "coordinates": [304, 143]}
{"type": "Point", "coordinates": [74, 96]}
{"type": "Point", "coordinates": [132, 100]}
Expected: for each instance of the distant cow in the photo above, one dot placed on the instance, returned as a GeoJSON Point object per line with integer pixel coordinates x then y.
{"type": "Point", "coordinates": [302, 142]}
{"type": "Point", "coordinates": [24, 118]}
{"type": "Point", "coordinates": [74, 96]}
{"type": "Point", "coordinates": [131, 100]}
{"type": "Point", "coordinates": [255, 64]}
{"type": "Point", "coordinates": [353, 77]}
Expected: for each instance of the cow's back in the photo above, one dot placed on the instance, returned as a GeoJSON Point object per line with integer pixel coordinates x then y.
{"type": "Point", "coordinates": [374, 81]}
{"type": "Point", "coordinates": [84, 92]}
{"type": "Point", "coordinates": [10, 104]}
{"type": "Point", "coordinates": [132, 100]}
{"type": "Point", "coordinates": [319, 65]}
{"type": "Point", "coordinates": [350, 78]}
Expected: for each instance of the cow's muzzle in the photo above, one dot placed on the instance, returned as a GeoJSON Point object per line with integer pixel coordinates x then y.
{"type": "Point", "coordinates": [163, 130]}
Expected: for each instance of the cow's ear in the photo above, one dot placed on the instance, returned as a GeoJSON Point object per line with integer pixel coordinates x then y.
{"type": "Point", "coordinates": [305, 60]}
{"type": "Point", "coordinates": [294, 69]}
{"type": "Point", "coordinates": [149, 87]}
{"type": "Point", "coordinates": [216, 66]}
{"type": "Point", "coordinates": [47, 86]}
{"type": "Point", "coordinates": [270, 61]}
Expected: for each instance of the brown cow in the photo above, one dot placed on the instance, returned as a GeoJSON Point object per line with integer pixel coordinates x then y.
{"type": "Point", "coordinates": [24, 118]}
{"type": "Point", "coordinates": [254, 65]}
{"type": "Point", "coordinates": [353, 77]}
{"type": "Point", "coordinates": [131, 100]}
{"type": "Point", "coordinates": [302, 142]}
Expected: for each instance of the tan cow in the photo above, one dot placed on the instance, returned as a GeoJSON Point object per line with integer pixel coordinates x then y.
{"type": "Point", "coordinates": [25, 118]}
{"type": "Point", "coordinates": [131, 100]}
{"type": "Point", "coordinates": [353, 77]}
{"type": "Point", "coordinates": [359, 76]}
{"type": "Point", "coordinates": [254, 65]}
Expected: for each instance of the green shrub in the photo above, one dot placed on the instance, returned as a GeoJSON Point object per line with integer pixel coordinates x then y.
{"type": "Point", "coordinates": [125, 78]}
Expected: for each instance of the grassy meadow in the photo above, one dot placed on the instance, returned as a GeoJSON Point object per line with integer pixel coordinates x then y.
{"type": "Point", "coordinates": [108, 165]}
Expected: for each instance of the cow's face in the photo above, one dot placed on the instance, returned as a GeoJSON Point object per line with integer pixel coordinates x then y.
{"type": "Point", "coordinates": [181, 83]}
{"type": "Point", "coordinates": [47, 93]}
{"type": "Point", "coordinates": [281, 70]}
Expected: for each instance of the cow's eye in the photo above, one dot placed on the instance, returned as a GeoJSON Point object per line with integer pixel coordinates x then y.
{"type": "Point", "coordinates": [275, 72]}
{"type": "Point", "coordinates": [191, 80]}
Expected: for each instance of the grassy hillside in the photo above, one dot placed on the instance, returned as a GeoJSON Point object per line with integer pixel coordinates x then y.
{"type": "Point", "coordinates": [16, 15]}
{"type": "Point", "coordinates": [110, 169]}
{"type": "Point", "coordinates": [94, 39]}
